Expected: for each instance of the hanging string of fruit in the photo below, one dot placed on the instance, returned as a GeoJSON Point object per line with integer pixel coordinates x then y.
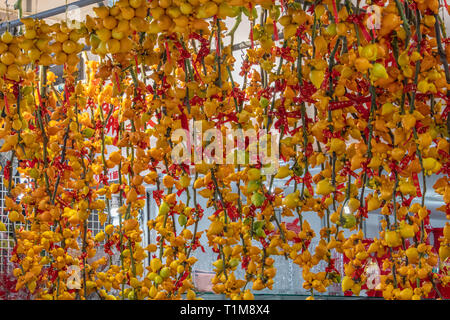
{"type": "Point", "coordinates": [357, 96]}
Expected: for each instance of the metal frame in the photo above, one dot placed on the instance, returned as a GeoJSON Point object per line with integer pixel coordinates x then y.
{"type": "Point", "coordinates": [49, 13]}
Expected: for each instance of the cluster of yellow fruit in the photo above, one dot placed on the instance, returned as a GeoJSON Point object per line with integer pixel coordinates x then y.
{"type": "Point", "coordinates": [114, 26]}
{"type": "Point", "coordinates": [184, 17]}
{"type": "Point", "coordinates": [367, 108]}
{"type": "Point", "coordinates": [40, 44]}
{"type": "Point", "coordinates": [11, 57]}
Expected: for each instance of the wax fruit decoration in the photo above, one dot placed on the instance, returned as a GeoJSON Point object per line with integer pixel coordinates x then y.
{"type": "Point", "coordinates": [354, 119]}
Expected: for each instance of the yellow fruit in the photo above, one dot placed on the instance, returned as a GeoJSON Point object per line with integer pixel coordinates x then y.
{"type": "Point", "coordinates": [248, 295]}
{"type": "Point", "coordinates": [319, 10]}
{"type": "Point", "coordinates": [7, 58]}
{"type": "Point", "coordinates": [152, 292]}
{"type": "Point", "coordinates": [43, 45]}
{"type": "Point", "coordinates": [55, 47]}
{"type": "Point", "coordinates": [83, 215]}
{"type": "Point", "coordinates": [392, 239]}
{"type": "Point", "coordinates": [353, 204]}
{"type": "Point", "coordinates": [126, 45]}
{"type": "Point", "coordinates": [113, 46]}
{"type": "Point", "coordinates": [254, 174]}
{"type": "Point", "coordinates": [406, 294]}
{"type": "Point", "coordinates": [136, 3]}
{"type": "Point", "coordinates": [99, 237]}
{"type": "Point", "coordinates": [407, 188]}
{"type": "Point", "coordinates": [429, 163]}
{"type": "Point", "coordinates": [164, 22]}
{"type": "Point", "coordinates": [76, 35]}
{"type": "Point", "coordinates": [215, 227]}
{"type": "Point", "coordinates": [123, 26]}
{"type": "Point", "coordinates": [408, 122]}
{"type": "Point", "coordinates": [337, 145]}
{"type": "Point", "coordinates": [14, 49]}
{"type": "Point", "coordinates": [429, 21]}
{"type": "Point", "coordinates": [258, 285]}
{"type": "Point", "coordinates": [317, 77]}
{"type": "Point", "coordinates": [181, 21]}
{"type": "Point", "coordinates": [291, 200]}
{"type": "Point", "coordinates": [374, 203]}
{"type": "Point", "coordinates": [290, 31]}
{"type": "Point", "coordinates": [101, 12]}
{"type": "Point", "coordinates": [3, 69]}
{"type": "Point", "coordinates": [24, 45]}
{"type": "Point", "coordinates": [30, 34]}
{"type": "Point", "coordinates": [128, 13]}
{"type": "Point", "coordinates": [407, 231]}
{"type": "Point", "coordinates": [17, 124]}
{"type": "Point", "coordinates": [22, 59]}
{"type": "Point", "coordinates": [173, 12]}
{"type": "Point", "coordinates": [347, 283]}
{"type": "Point", "coordinates": [207, 10]}
{"type": "Point", "coordinates": [7, 37]}
{"type": "Point", "coordinates": [387, 108]}
{"type": "Point", "coordinates": [185, 181]}
{"type": "Point", "coordinates": [369, 52]}
{"type": "Point", "coordinates": [60, 58]}
{"type": "Point", "coordinates": [324, 187]}
{"type": "Point", "coordinates": [285, 20]}
{"type": "Point", "coordinates": [356, 289]}
{"type": "Point", "coordinates": [110, 22]}
{"type": "Point", "coordinates": [218, 264]}
{"type": "Point", "coordinates": [346, 72]}
{"type": "Point", "coordinates": [14, 72]}
{"type": "Point", "coordinates": [446, 232]}
{"type": "Point", "coordinates": [186, 8]}
{"type": "Point", "coordinates": [283, 172]}
{"type": "Point", "coordinates": [104, 34]}
{"type": "Point", "coordinates": [423, 213]}
{"type": "Point", "coordinates": [116, 34]}
{"type": "Point", "coordinates": [403, 59]}
{"type": "Point", "coordinates": [4, 46]}
{"type": "Point", "coordinates": [412, 254]}
{"type": "Point", "coordinates": [397, 154]}
{"type": "Point", "coordinates": [13, 216]}
{"type": "Point", "coordinates": [61, 37]}
{"type": "Point", "coordinates": [2, 226]}
{"type": "Point", "coordinates": [34, 54]}
{"type": "Point", "coordinates": [115, 157]}
{"type": "Point", "coordinates": [155, 264]}
{"type": "Point", "coordinates": [73, 59]}
{"type": "Point", "coordinates": [154, 28]}
{"type": "Point", "coordinates": [362, 64]}
{"type": "Point", "coordinates": [379, 71]}
{"type": "Point", "coordinates": [69, 46]}
{"type": "Point", "coordinates": [341, 29]}
{"type": "Point", "coordinates": [141, 25]}
{"type": "Point", "coordinates": [190, 295]}
{"type": "Point", "coordinates": [109, 229]}
{"type": "Point", "coordinates": [444, 252]}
